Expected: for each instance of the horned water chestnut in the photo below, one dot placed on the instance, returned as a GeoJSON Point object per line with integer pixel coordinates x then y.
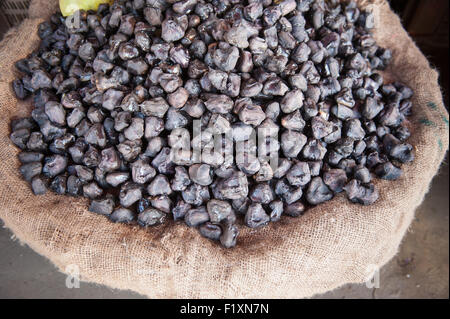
{"type": "Point", "coordinates": [216, 113]}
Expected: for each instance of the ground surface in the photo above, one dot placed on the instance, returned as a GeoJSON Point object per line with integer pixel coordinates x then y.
{"type": "Point", "coordinates": [420, 269]}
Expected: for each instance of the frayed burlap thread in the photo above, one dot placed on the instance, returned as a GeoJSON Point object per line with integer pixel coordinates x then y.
{"type": "Point", "coordinates": [332, 244]}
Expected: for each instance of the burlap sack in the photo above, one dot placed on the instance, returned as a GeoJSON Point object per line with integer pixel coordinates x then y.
{"type": "Point", "coordinates": [332, 244]}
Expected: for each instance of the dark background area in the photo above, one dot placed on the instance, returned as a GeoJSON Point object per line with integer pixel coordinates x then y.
{"type": "Point", "coordinates": [427, 21]}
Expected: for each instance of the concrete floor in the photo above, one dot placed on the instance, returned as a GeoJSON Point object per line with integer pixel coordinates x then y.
{"type": "Point", "coordinates": [420, 270]}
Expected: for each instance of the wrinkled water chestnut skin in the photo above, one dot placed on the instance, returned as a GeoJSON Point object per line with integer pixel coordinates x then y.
{"type": "Point", "coordinates": [118, 96]}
